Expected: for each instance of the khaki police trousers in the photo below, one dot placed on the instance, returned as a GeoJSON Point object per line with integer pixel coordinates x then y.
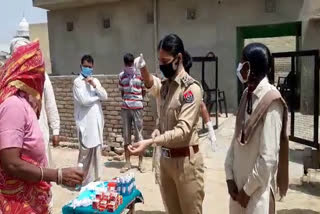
{"type": "Point", "coordinates": [182, 183]}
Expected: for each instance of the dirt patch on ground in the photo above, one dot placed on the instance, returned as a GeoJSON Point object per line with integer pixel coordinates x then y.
{"type": "Point", "coordinates": [301, 198]}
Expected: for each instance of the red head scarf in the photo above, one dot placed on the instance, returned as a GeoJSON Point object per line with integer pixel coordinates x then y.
{"type": "Point", "coordinates": [24, 71]}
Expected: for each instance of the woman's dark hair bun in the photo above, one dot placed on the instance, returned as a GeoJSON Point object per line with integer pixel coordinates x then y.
{"type": "Point", "coordinates": [187, 61]}
{"type": "Point", "coordinates": [259, 57]}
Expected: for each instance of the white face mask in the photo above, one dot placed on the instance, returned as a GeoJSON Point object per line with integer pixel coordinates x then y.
{"type": "Point", "coordinates": [240, 66]}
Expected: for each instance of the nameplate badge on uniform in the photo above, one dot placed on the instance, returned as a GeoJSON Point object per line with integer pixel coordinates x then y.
{"type": "Point", "coordinates": [188, 97]}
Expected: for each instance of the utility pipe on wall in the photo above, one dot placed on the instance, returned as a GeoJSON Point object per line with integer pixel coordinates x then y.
{"type": "Point", "coordinates": [155, 34]}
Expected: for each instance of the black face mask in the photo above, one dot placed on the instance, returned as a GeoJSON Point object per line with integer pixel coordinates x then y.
{"type": "Point", "coordinates": [167, 69]}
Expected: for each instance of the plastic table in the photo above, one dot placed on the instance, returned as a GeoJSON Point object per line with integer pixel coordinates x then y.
{"type": "Point", "coordinates": [128, 203]}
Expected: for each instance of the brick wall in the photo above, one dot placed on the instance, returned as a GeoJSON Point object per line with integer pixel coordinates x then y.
{"type": "Point", "coordinates": [112, 111]}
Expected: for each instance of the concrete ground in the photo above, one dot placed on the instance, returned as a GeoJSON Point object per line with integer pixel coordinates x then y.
{"type": "Point", "coordinates": [301, 198]}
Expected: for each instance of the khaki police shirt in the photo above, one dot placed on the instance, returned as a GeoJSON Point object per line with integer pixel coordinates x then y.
{"type": "Point", "coordinates": [179, 112]}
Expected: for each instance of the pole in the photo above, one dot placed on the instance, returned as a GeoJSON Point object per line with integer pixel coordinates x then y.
{"type": "Point", "coordinates": [155, 33]}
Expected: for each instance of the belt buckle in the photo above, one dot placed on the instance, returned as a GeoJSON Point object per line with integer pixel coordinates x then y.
{"type": "Point", "coordinates": [166, 152]}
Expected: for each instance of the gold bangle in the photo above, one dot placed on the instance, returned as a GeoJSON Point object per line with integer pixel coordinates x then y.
{"type": "Point", "coordinates": [41, 170]}
{"type": "Point", "coordinates": [59, 176]}
{"type": "Point", "coordinates": [59, 172]}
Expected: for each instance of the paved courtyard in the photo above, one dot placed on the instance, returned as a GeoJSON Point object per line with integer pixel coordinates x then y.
{"type": "Point", "coordinates": [301, 198]}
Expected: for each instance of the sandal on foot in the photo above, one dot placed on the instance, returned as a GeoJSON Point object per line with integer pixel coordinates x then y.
{"type": "Point", "coordinates": [125, 168]}
{"type": "Point", "coordinates": [142, 169]}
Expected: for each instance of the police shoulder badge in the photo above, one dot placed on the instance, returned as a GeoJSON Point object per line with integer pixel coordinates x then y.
{"type": "Point", "coordinates": [188, 97]}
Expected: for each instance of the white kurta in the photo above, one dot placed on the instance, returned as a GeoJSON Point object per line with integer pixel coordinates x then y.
{"type": "Point", "coordinates": [253, 166]}
{"type": "Point", "coordinates": [88, 111]}
{"type": "Point", "coordinates": [49, 116]}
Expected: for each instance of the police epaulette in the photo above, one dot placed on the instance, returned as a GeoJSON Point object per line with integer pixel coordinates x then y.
{"type": "Point", "coordinates": [187, 80]}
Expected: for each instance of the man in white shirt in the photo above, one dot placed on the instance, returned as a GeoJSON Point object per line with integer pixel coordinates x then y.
{"type": "Point", "coordinates": [49, 116]}
{"type": "Point", "coordinates": [259, 149]}
{"type": "Point", "coordinates": [88, 94]}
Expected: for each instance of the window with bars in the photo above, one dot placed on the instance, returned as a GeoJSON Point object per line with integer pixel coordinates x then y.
{"type": "Point", "coordinates": [106, 23]}
{"type": "Point", "coordinates": [191, 14]}
{"type": "Point", "coordinates": [270, 6]}
{"type": "Point", "coordinates": [69, 26]}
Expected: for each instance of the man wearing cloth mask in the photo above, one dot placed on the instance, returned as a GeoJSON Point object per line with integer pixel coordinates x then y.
{"type": "Point", "coordinates": [132, 91]}
{"type": "Point", "coordinates": [259, 149]}
{"type": "Point", "coordinates": [88, 94]}
{"type": "Point", "coordinates": [49, 115]}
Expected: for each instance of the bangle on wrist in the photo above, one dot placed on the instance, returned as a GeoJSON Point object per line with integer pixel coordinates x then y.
{"type": "Point", "coordinates": [59, 181]}
{"type": "Point", "coordinates": [41, 174]}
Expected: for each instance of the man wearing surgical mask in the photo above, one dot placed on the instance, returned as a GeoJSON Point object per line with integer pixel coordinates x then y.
{"type": "Point", "coordinates": [88, 94]}
{"type": "Point", "coordinates": [256, 165]}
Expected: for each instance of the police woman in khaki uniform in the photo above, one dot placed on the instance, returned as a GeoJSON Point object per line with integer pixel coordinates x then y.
{"type": "Point", "coordinates": [181, 167]}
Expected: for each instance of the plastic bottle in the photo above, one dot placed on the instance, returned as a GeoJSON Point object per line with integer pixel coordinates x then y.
{"type": "Point", "coordinates": [119, 186]}
{"type": "Point", "coordinates": [123, 185]}
{"type": "Point", "coordinates": [130, 184]}
{"type": "Point", "coordinates": [133, 181]}
{"type": "Point", "coordinates": [126, 185]}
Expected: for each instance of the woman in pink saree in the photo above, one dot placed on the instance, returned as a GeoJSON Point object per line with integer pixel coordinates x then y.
{"type": "Point", "coordinates": [24, 176]}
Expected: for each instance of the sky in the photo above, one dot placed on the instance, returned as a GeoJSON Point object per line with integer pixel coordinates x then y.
{"type": "Point", "coordinates": [11, 14]}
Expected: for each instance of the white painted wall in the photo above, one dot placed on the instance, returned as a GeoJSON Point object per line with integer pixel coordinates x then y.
{"type": "Point", "coordinates": [129, 32]}
{"type": "Point", "coordinates": [40, 32]}
{"type": "Point", "coordinates": [213, 30]}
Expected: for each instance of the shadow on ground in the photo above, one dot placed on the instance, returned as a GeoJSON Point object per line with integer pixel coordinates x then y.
{"type": "Point", "coordinates": [149, 212]}
{"type": "Point", "coordinates": [310, 189]}
{"type": "Point", "coordinates": [297, 211]}
{"type": "Point", "coordinates": [116, 165]}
